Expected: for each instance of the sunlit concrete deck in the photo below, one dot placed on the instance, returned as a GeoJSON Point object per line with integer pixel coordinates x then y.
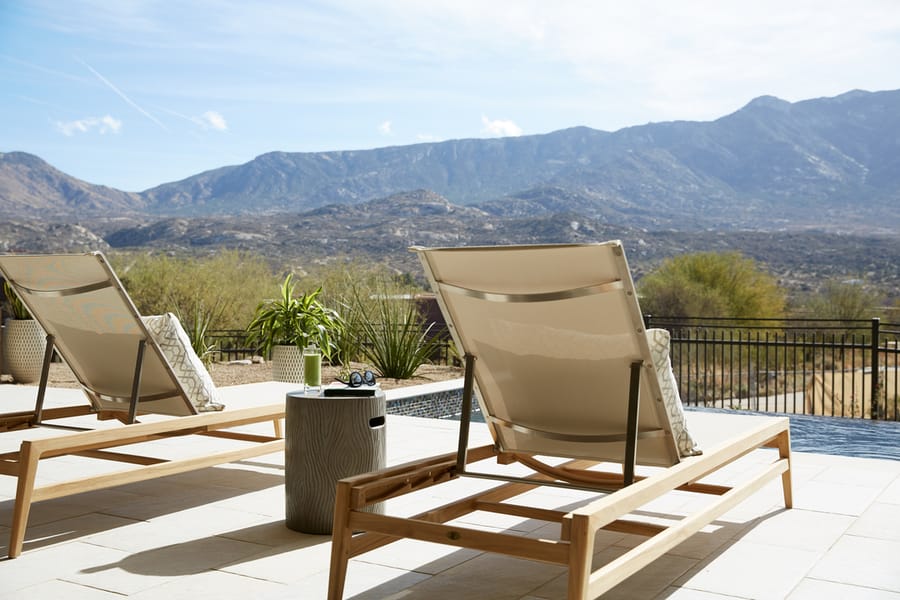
{"type": "Point", "coordinates": [220, 533]}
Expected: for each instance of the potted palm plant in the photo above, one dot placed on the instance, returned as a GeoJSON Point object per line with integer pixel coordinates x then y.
{"type": "Point", "coordinates": [284, 326]}
{"type": "Point", "coordinates": [24, 342]}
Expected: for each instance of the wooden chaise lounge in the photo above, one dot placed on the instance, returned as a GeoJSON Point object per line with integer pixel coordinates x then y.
{"type": "Point", "coordinates": [130, 368]}
{"type": "Point", "coordinates": [567, 378]}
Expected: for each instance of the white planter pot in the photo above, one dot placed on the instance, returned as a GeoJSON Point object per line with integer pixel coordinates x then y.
{"type": "Point", "coordinates": [24, 343]}
{"type": "Point", "coordinates": [287, 364]}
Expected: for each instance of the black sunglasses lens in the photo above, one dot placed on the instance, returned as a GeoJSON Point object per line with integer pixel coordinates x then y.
{"type": "Point", "coordinates": [356, 379]}
{"type": "Point", "coordinates": [369, 377]}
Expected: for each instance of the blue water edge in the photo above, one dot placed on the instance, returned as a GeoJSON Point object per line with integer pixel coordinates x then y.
{"type": "Point", "coordinates": [846, 437]}
{"type": "Point", "coordinates": [861, 438]}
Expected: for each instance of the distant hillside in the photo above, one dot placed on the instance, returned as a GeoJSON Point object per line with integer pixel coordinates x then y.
{"type": "Point", "coordinates": [382, 230]}
{"type": "Point", "coordinates": [29, 187]}
{"type": "Point", "coordinates": [827, 163]}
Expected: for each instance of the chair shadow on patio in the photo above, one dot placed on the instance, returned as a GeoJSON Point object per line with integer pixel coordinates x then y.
{"type": "Point", "coordinates": [466, 573]}
{"type": "Point", "coordinates": [420, 573]}
{"type": "Point", "coordinates": [102, 511]}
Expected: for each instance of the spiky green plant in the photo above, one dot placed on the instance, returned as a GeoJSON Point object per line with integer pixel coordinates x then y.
{"type": "Point", "coordinates": [294, 321]}
{"type": "Point", "coordinates": [197, 328]}
{"type": "Point", "coordinates": [397, 340]}
{"type": "Point", "coordinates": [19, 311]}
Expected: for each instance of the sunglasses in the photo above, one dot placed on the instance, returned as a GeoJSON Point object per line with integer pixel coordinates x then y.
{"type": "Point", "coordinates": [357, 379]}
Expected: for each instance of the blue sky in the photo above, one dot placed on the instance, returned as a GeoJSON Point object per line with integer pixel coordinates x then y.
{"type": "Point", "coordinates": [132, 93]}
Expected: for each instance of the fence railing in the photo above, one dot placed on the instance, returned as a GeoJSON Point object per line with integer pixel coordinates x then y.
{"type": "Point", "coordinates": [803, 366]}
{"type": "Point", "coordinates": [230, 344]}
{"type": "Point", "coordinates": [817, 367]}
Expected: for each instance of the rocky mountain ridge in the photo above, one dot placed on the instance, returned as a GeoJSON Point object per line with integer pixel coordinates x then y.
{"type": "Point", "coordinates": [827, 163]}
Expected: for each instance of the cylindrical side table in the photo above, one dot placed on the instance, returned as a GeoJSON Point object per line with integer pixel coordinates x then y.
{"type": "Point", "coordinates": [327, 439]}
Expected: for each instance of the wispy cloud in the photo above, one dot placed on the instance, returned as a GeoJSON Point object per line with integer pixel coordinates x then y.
{"type": "Point", "coordinates": [385, 128]}
{"type": "Point", "coordinates": [122, 95]}
{"type": "Point", "coordinates": [103, 125]}
{"type": "Point", "coordinates": [212, 120]}
{"type": "Point", "coordinates": [500, 127]}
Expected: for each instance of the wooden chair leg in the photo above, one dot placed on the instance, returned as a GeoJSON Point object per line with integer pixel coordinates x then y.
{"type": "Point", "coordinates": [28, 463]}
{"type": "Point", "coordinates": [784, 451]}
{"type": "Point", "coordinates": [340, 542]}
{"type": "Point", "coordinates": [581, 554]}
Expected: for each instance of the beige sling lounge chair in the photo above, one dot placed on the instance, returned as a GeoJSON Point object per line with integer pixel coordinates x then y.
{"type": "Point", "coordinates": [567, 378]}
{"type": "Point", "coordinates": [128, 366]}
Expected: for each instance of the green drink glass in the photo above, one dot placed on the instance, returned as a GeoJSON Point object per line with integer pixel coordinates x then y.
{"type": "Point", "coordinates": [312, 369]}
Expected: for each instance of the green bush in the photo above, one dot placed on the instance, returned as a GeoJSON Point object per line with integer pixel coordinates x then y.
{"type": "Point", "coordinates": [845, 300]}
{"type": "Point", "coordinates": [711, 284]}
{"type": "Point", "coordinates": [223, 290]}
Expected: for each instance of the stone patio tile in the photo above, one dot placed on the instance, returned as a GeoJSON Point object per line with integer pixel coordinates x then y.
{"type": "Point", "coordinates": [211, 585]}
{"type": "Point", "coordinates": [801, 529]}
{"type": "Point", "coordinates": [60, 589]}
{"type": "Point", "coordinates": [879, 521]}
{"type": "Point", "coordinates": [486, 577]}
{"type": "Point", "coordinates": [752, 570]}
{"type": "Point", "coordinates": [815, 589]}
{"type": "Point", "coordinates": [862, 561]}
{"type": "Point", "coordinates": [891, 493]}
{"type": "Point", "coordinates": [646, 583]}
{"type": "Point", "coordinates": [129, 573]}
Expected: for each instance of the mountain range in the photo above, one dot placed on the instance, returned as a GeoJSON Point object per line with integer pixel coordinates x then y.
{"type": "Point", "coordinates": [772, 168]}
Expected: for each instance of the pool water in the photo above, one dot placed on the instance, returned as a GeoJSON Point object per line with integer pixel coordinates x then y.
{"type": "Point", "coordinates": [829, 435]}
{"type": "Point", "coordinates": [846, 437]}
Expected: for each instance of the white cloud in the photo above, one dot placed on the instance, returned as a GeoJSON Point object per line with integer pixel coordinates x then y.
{"type": "Point", "coordinates": [103, 125]}
{"type": "Point", "coordinates": [209, 120]}
{"type": "Point", "coordinates": [385, 128]}
{"type": "Point", "coordinates": [500, 127]}
{"type": "Point", "coordinates": [212, 120]}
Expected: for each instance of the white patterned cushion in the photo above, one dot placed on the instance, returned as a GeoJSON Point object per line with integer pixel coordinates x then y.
{"type": "Point", "coordinates": [167, 332]}
{"type": "Point", "coordinates": [659, 352]}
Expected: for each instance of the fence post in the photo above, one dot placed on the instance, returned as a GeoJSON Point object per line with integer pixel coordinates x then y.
{"type": "Point", "coordinates": [876, 323]}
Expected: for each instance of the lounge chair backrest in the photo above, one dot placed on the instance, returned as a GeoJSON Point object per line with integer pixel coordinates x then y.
{"type": "Point", "coordinates": [78, 299]}
{"type": "Point", "coordinates": [554, 331]}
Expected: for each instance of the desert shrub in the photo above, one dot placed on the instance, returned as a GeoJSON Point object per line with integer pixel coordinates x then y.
{"type": "Point", "coordinates": [711, 284]}
{"type": "Point", "coordinates": [397, 338]}
{"type": "Point", "coordinates": [352, 289]}
{"type": "Point", "coordinates": [847, 300]}
{"type": "Point", "coordinates": [221, 290]}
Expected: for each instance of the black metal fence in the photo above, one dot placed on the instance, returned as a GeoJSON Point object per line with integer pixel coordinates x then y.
{"type": "Point", "coordinates": [230, 344]}
{"type": "Point", "coordinates": [803, 366]}
{"type": "Point", "coordinates": [817, 367]}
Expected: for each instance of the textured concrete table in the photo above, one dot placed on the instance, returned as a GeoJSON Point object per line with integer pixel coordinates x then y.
{"type": "Point", "coordinates": [328, 438]}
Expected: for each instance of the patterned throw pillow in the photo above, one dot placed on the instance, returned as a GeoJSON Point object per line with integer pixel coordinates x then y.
{"type": "Point", "coordinates": [659, 352]}
{"type": "Point", "coordinates": [167, 332]}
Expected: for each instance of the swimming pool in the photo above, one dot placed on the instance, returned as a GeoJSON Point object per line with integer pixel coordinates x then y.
{"type": "Point", "coordinates": [822, 435]}
{"type": "Point", "coordinates": [846, 437]}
